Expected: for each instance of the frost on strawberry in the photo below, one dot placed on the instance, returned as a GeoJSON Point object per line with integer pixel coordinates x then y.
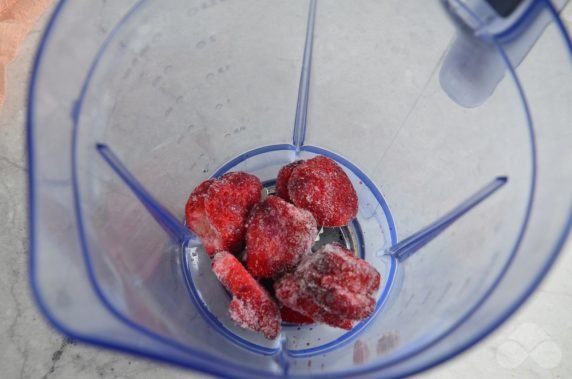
{"type": "Point", "coordinates": [292, 293]}
{"type": "Point", "coordinates": [322, 187]}
{"type": "Point", "coordinates": [197, 219]}
{"type": "Point", "coordinates": [251, 306]}
{"type": "Point", "coordinates": [278, 234]}
{"type": "Point", "coordinates": [217, 210]}
{"type": "Point", "coordinates": [330, 286]}
{"type": "Point", "coordinates": [283, 178]}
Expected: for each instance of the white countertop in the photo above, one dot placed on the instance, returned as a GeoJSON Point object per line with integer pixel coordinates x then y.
{"type": "Point", "coordinates": [540, 333]}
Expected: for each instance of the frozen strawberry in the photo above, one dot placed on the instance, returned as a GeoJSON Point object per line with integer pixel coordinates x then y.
{"type": "Point", "coordinates": [291, 316]}
{"type": "Point", "coordinates": [287, 314]}
{"type": "Point", "coordinates": [228, 202]}
{"type": "Point", "coordinates": [322, 187]}
{"type": "Point", "coordinates": [292, 294]}
{"type": "Point", "coordinates": [340, 281]}
{"type": "Point", "coordinates": [239, 189]}
{"type": "Point", "coordinates": [283, 178]}
{"type": "Point", "coordinates": [344, 303]}
{"type": "Point", "coordinates": [217, 210]}
{"type": "Point", "coordinates": [251, 306]}
{"type": "Point", "coordinates": [197, 219]}
{"type": "Point", "coordinates": [331, 286]}
{"type": "Point", "coordinates": [277, 236]}
{"type": "Point", "coordinates": [342, 268]}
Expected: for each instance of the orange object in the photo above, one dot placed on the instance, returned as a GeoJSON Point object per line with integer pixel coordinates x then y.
{"type": "Point", "coordinates": [16, 19]}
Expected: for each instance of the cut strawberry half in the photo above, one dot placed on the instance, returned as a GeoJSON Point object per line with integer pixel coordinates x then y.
{"type": "Point", "coordinates": [251, 306]}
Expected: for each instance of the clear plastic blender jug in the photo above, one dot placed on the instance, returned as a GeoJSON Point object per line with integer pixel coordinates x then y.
{"type": "Point", "coordinates": [437, 111]}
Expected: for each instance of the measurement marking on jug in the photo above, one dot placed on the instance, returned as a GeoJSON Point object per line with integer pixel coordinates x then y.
{"type": "Point", "coordinates": [127, 74]}
{"type": "Point", "coordinates": [465, 285]}
{"type": "Point", "coordinates": [143, 75]}
{"type": "Point", "coordinates": [156, 80]}
{"type": "Point", "coordinates": [203, 43]}
{"type": "Point", "coordinates": [219, 71]}
{"type": "Point", "coordinates": [193, 11]}
{"type": "Point", "coordinates": [496, 256]}
{"type": "Point", "coordinates": [447, 288]}
{"type": "Point", "coordinates": [426, 297]}
{"type": "Point", "coordinates": [238, 130]}
{"type": "Point", "coordinates": [223, 69]}
{"type": "Point", "coordinates": [144, 51]}
{"type": "Point", "coordinates": [409, 301]}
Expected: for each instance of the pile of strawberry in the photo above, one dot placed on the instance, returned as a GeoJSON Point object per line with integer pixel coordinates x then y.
{"type": "Point", "coordinates": [278, 277]}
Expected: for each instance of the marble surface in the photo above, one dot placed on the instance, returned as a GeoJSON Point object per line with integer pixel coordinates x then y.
{"type": "Point", "coordinates": [536, 342]}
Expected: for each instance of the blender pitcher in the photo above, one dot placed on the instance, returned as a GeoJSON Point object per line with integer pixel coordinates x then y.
{"type": "Point", "coordinates": [451, 119]}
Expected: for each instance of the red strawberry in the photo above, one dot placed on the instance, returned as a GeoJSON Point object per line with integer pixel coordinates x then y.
{"type": "Point", "coordinates": [287, 314]}
{"type": "Point", "coordinates": [292, 294]}
{"type": "Point", "coordinates": [322, 187]}
{"type": "Point", "coordinates": [340, 267]}
{"type": "Point", "coordinates": [283, 178]}
{"type": "Point", "coordinates": [291, 316]}
{"type": "Point", "coordinates": [277, 236]}
{"type": "Point", "coordinates": [330, 285]}
{"type": "Point", "coordinates": [217, 210]}
{"type": "Point", "coordinates": [251, 306]}
{"type": "Point", "coordinates": [197, 219]}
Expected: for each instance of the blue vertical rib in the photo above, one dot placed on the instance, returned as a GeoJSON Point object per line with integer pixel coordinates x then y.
{"type": "Point", "coordinates": [165, 218]}
{"type": "Point", "coordinates": [283, 357]}
{"type": "Point", "coordinates": [304, 88]}
{"type": "Point", "coordinates": [413, 243]}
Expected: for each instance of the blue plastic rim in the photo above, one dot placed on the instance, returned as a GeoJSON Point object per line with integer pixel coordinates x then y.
{"type": "Point", "coordinates": [207, 362]}
{"type": "Point", "coordinates": [387, 282]}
